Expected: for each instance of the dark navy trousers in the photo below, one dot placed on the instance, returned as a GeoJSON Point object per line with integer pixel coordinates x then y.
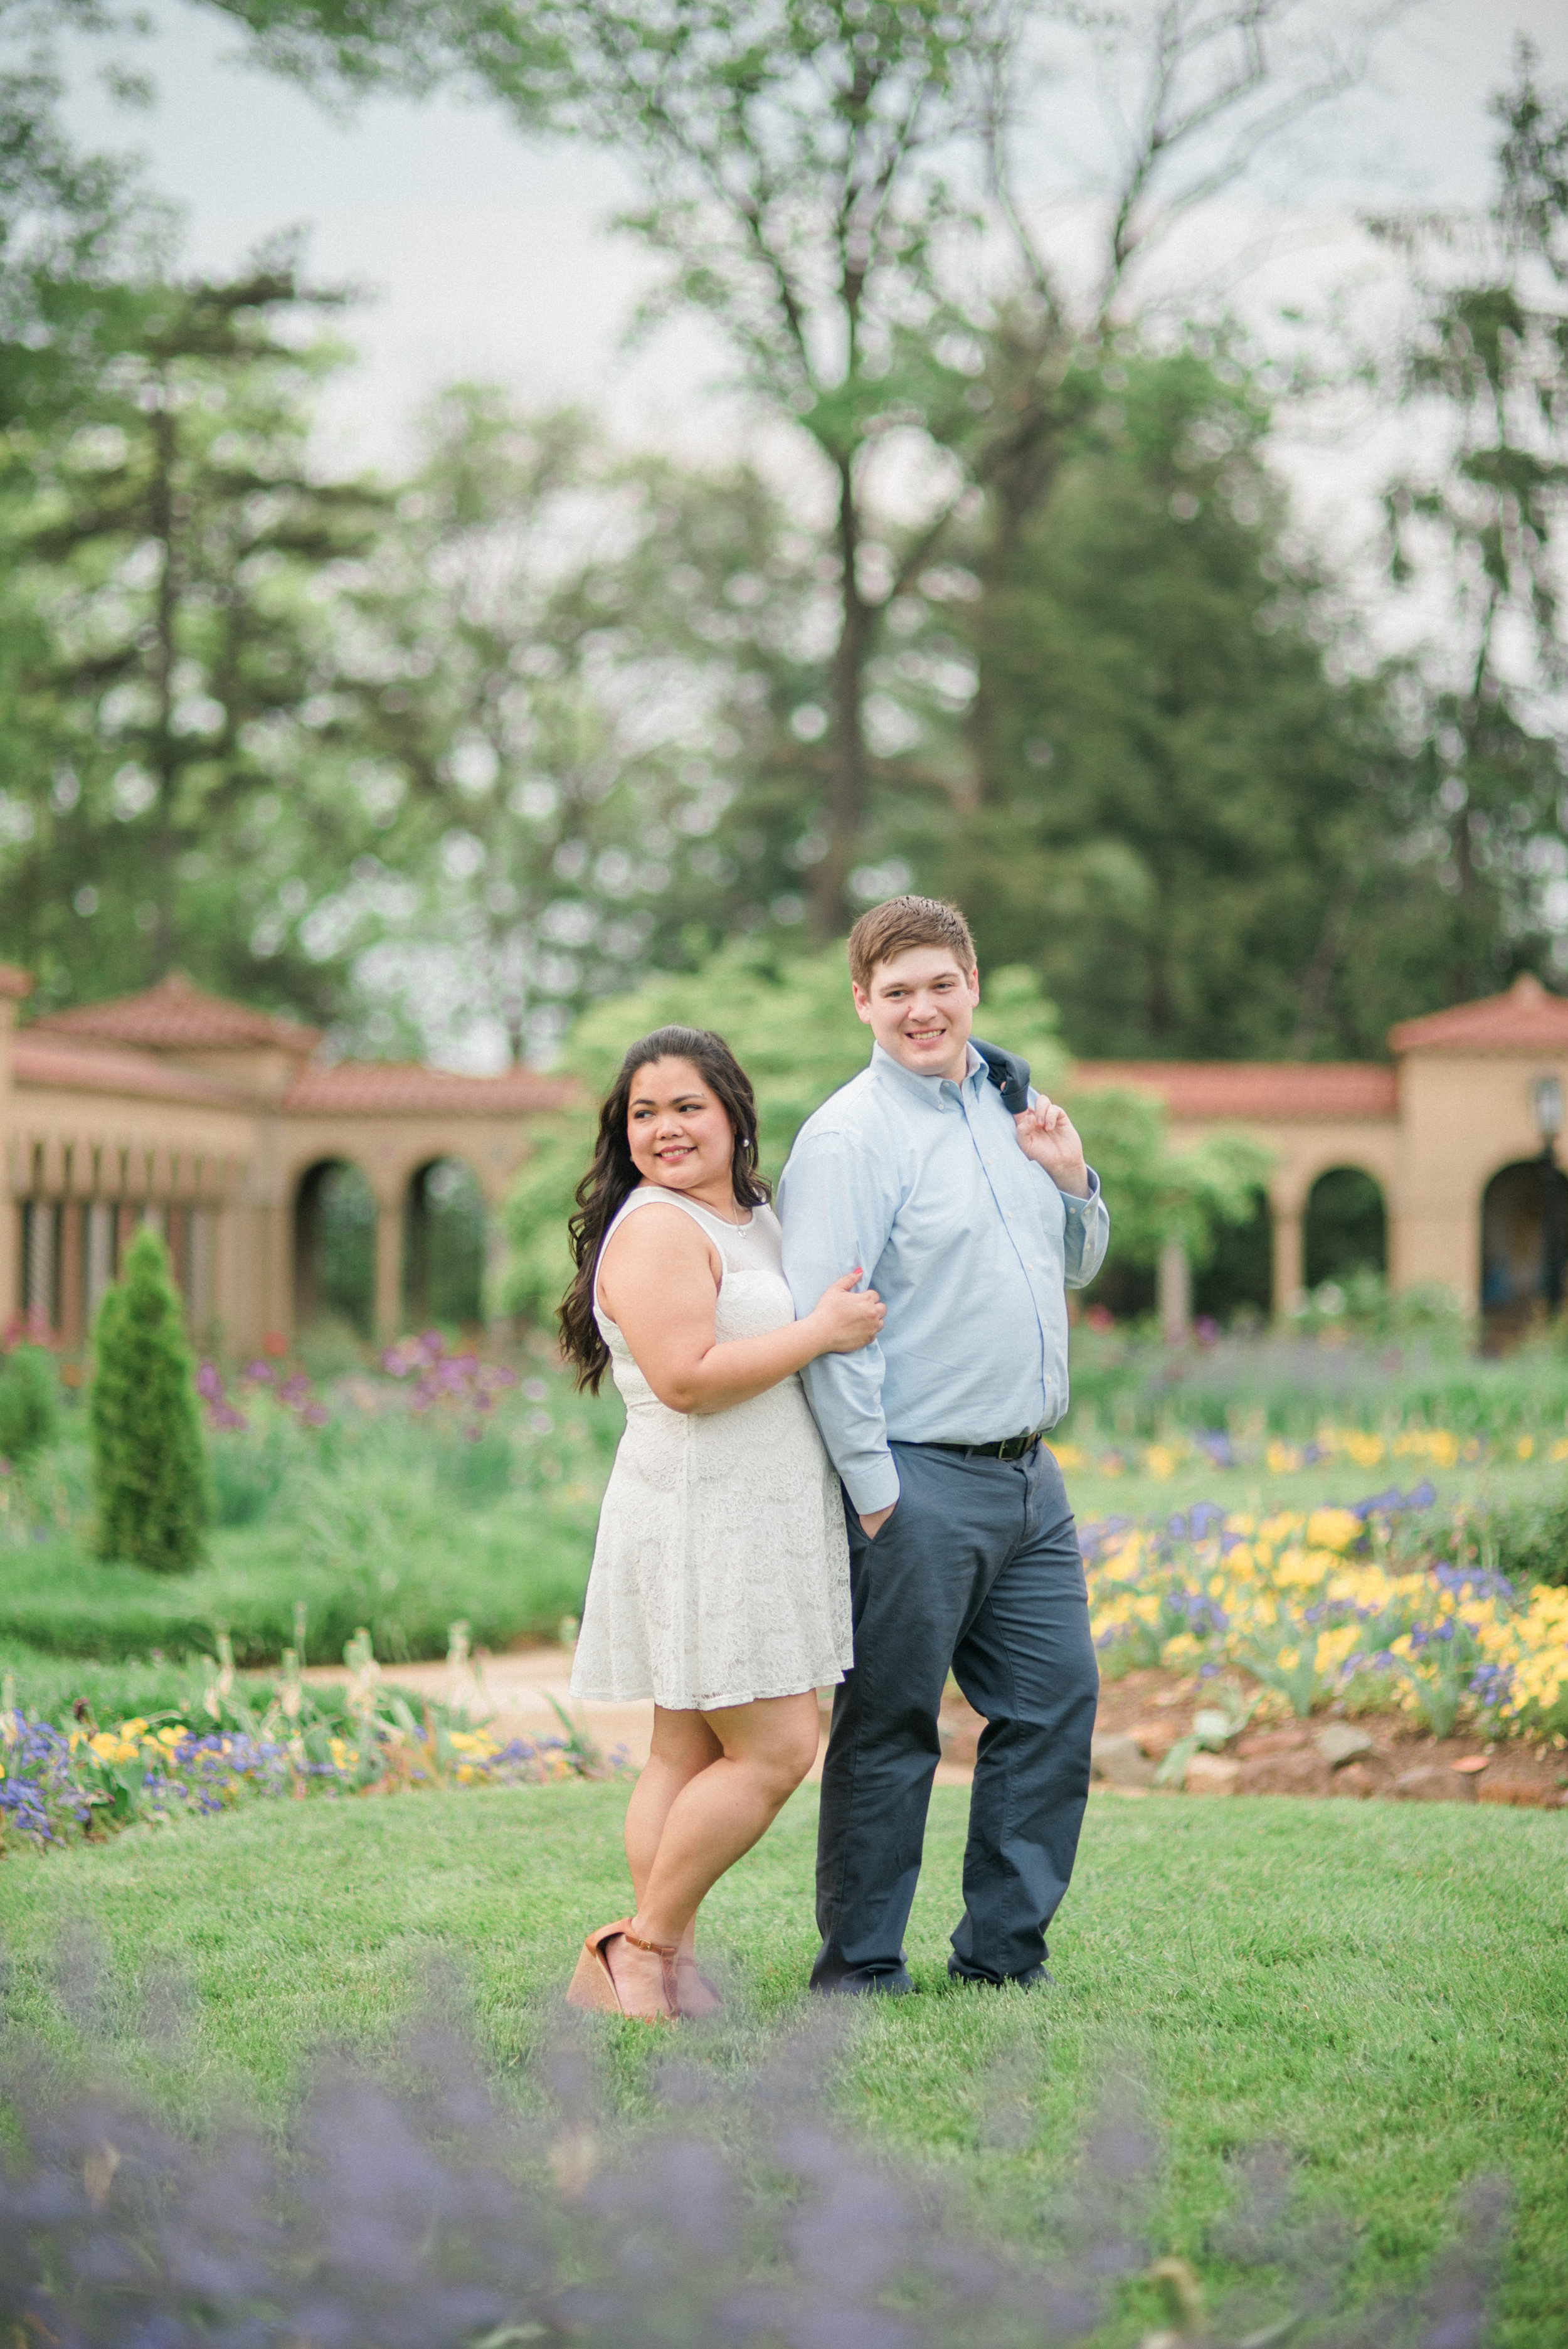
{"type": "Point", "coordinates": [977, 1569]}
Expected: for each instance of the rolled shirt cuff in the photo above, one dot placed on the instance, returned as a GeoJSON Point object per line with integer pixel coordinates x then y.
{"type": "Point", "coordinates": [1081, 1206]}
{"type": "Point", "coordinates": [873, 1486]}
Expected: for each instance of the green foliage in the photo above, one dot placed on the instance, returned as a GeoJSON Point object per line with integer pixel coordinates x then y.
{"type": "Point", "coordinates": [381, 1517]}
{"type": "Point", "coordinates": [29, 1402]}
{"type": "Point", "coordinates": [1485, 374]}
{"type": "Point", "coordinates": [149, 1474]}
{"type": "Point", "coordinates": [1524, 1534]}
{"type": "Point", "coordinates": [163, 554]}
{"type": "Point", "coordinates": [1126, 1383]}
{"type": "Point", "coordinates": [618, 639]}
{"type": "Point", "coordinates": [1188, 816]}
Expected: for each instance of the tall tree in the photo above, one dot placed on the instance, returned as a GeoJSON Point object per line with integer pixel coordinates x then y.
{"type": "Point", "coordinates": [186, 740]}
{"type": "Point", "coordinates": [574, 668]}
{"type": "Point", "coordinates": [1478, 524]}
{"type": "Point", "coordinates": [74, 226]}
{"type": "Point", "coordinates": [1190, 791]}
{"type": "Point", "coordinates": [830, 185]}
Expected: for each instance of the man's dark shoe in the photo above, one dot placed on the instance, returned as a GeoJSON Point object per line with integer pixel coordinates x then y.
{"type": "Point", "coordinates": [1037, 1978]}
{"type": "Point", "coordinates": [867, 1985]}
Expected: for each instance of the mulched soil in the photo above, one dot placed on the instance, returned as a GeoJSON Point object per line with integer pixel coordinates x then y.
{"type": "Point", "coordinates": [1277, 1755]}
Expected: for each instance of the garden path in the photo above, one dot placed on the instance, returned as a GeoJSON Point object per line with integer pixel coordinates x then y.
{"type": "Point", "coordinates": [512, 1693]}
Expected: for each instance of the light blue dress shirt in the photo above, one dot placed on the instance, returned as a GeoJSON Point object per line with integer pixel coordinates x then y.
{"type": "Point", "coordinates": [971, 1248]}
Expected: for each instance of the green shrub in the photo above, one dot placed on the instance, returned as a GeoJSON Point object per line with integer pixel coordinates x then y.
{"type": "Point", "coordinates": [1524, 1536]}
{"type": "Point", "coordinates": [29, 1403]}
{"type": "Point", "coordinates": [150, 1474]}
{"type": "Point", "coordinates": [253, 1467]}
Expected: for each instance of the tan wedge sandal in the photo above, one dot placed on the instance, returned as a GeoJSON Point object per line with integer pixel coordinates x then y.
{"type": "Point", "coordinates": [593, 1986]}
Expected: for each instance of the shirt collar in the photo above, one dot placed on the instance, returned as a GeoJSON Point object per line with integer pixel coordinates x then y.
{"type": "Point", "coordinates": [919, 1088]}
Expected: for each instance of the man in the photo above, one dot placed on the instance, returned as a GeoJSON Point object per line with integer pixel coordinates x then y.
{"type": "Point", "coordinates": [970, 1223]}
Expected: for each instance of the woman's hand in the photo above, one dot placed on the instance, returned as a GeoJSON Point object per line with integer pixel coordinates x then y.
{"type": "Point", "coordinates": [846, 1318]}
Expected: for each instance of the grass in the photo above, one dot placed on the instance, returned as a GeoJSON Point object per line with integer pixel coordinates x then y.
{"type": "Point", "coordinates": [1382, 1989]}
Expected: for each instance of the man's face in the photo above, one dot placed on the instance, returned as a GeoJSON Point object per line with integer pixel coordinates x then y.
{"type": "Point", "coordinates": [920, 1007]}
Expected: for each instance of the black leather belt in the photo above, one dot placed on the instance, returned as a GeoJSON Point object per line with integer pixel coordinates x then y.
{"type": "Point", "coordinates": [1011, 1447]}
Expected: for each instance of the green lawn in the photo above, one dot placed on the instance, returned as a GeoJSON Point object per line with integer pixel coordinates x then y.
{"type": "Point", "coordinates": [1383, 1989]}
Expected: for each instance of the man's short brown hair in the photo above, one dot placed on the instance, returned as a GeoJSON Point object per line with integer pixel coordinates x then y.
{"type": "Point", "coordinates": [892, 928]}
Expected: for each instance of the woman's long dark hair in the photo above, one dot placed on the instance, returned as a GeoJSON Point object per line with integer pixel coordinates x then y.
{"type": "Point", "coordinates": [613, 1177]}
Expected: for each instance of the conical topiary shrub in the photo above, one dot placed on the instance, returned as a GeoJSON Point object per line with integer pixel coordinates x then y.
{"type": "Point", "coordinates": [149, 1474]}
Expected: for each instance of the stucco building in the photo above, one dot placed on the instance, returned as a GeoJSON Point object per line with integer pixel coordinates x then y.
{"type": "Point", "coordinates": [226, 1126]}
{"type": "Point", "coordinates": [1458, 1129]}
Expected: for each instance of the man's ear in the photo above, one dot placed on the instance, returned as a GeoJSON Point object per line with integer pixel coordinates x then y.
{"type": "Point", "coordinates": [862, 1002]}
{"type": "Point", "coordinates": [974, 984]}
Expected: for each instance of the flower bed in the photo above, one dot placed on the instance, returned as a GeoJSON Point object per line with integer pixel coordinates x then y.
{"type": "Point", "coordinates": [1321, 1605]}
{"type": "Point", "coordinates": [1438, 1447]}
{"type": "Point", "coordinates": [60, 1782]}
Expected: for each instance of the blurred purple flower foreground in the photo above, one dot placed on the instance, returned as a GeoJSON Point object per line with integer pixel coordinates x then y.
{"type": "Point", "coordinates": [423, 2217]}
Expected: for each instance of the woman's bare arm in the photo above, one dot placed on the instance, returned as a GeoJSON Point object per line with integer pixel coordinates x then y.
{"type": "Point", "coordinates": [658, 1281]}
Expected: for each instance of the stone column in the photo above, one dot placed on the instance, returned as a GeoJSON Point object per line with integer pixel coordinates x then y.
{"type": "Point", "coordinates": [101, 1254]}
{"type": "Point", "coordinates": [40, 1302]}
{"type": "Point", "coordinates": [1288, 1259]}
{"type": "Point", "coordinates": [1174, 1293]}
{"type": "Point", "coordinates": [388, 1268]}
{"type": "Point", "coordinates": [71, 1318]}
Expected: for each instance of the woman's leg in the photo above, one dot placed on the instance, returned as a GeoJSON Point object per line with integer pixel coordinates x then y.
{"type": "Point", "coordinates": [683, 1744]}
{"type": "Point", "coordinates": [720, 1811]}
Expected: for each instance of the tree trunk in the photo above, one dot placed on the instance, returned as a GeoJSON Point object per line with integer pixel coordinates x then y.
{"type": "Point", "coordinates": [161, 662]}
{"type": "Point", "coordinates": [831, 911]}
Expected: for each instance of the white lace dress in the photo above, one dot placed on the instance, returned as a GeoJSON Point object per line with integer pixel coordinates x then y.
{"type": "Point", "coordinates": [721, 1570]}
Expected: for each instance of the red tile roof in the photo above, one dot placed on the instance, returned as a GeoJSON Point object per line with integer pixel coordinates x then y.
{"type": "Point", "coordinates": [73, 1067]}
{"type": "Point", "coordinates": [175, 1016]}
{"type": "Point", "coordinates": [1265, 1092]}
{"type": "Point", "coordinates": [1526, 1020]}
{"type": "Point", "coordinates": [391, 1088]}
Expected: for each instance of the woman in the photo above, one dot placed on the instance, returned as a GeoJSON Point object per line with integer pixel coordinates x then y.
{"type": "Point", "coordinates": [721, 1582]}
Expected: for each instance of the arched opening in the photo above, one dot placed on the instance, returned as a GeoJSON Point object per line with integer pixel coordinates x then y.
{"type": "Point", "coordinates": [1523, 1240]}
{"type": "Point", "coordinates": [1239, 1276]}
{"type": "Point", "coordinates": [1345, 1228]}
{"type": "Point", "coordinates": [335, 1246]}
{"type": "Point", "coordinates": [445, 1241]}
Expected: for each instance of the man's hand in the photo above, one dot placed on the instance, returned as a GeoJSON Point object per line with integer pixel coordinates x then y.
{"type": "Point", "coordinates": [871, 1527]}
{"type": "Point", "coordinates": [1047, 1135]}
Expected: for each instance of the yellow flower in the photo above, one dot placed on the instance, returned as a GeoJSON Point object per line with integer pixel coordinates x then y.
{"type": "Point", "coordinates": [170, 1736]}
{"type": "Point", "coordinates": [1524, 1448]}
{"type": "Point", "coordinates": [1159, 1460]}
{"type": "Point", "coordinates": [1288, 1659]}
{"type": "Point", "coordinates": [342, 1755]}
{"type": "Point", "coordinates": [1334, 1528]}
{"type": "Point", "coordinates": [137, 1728]}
